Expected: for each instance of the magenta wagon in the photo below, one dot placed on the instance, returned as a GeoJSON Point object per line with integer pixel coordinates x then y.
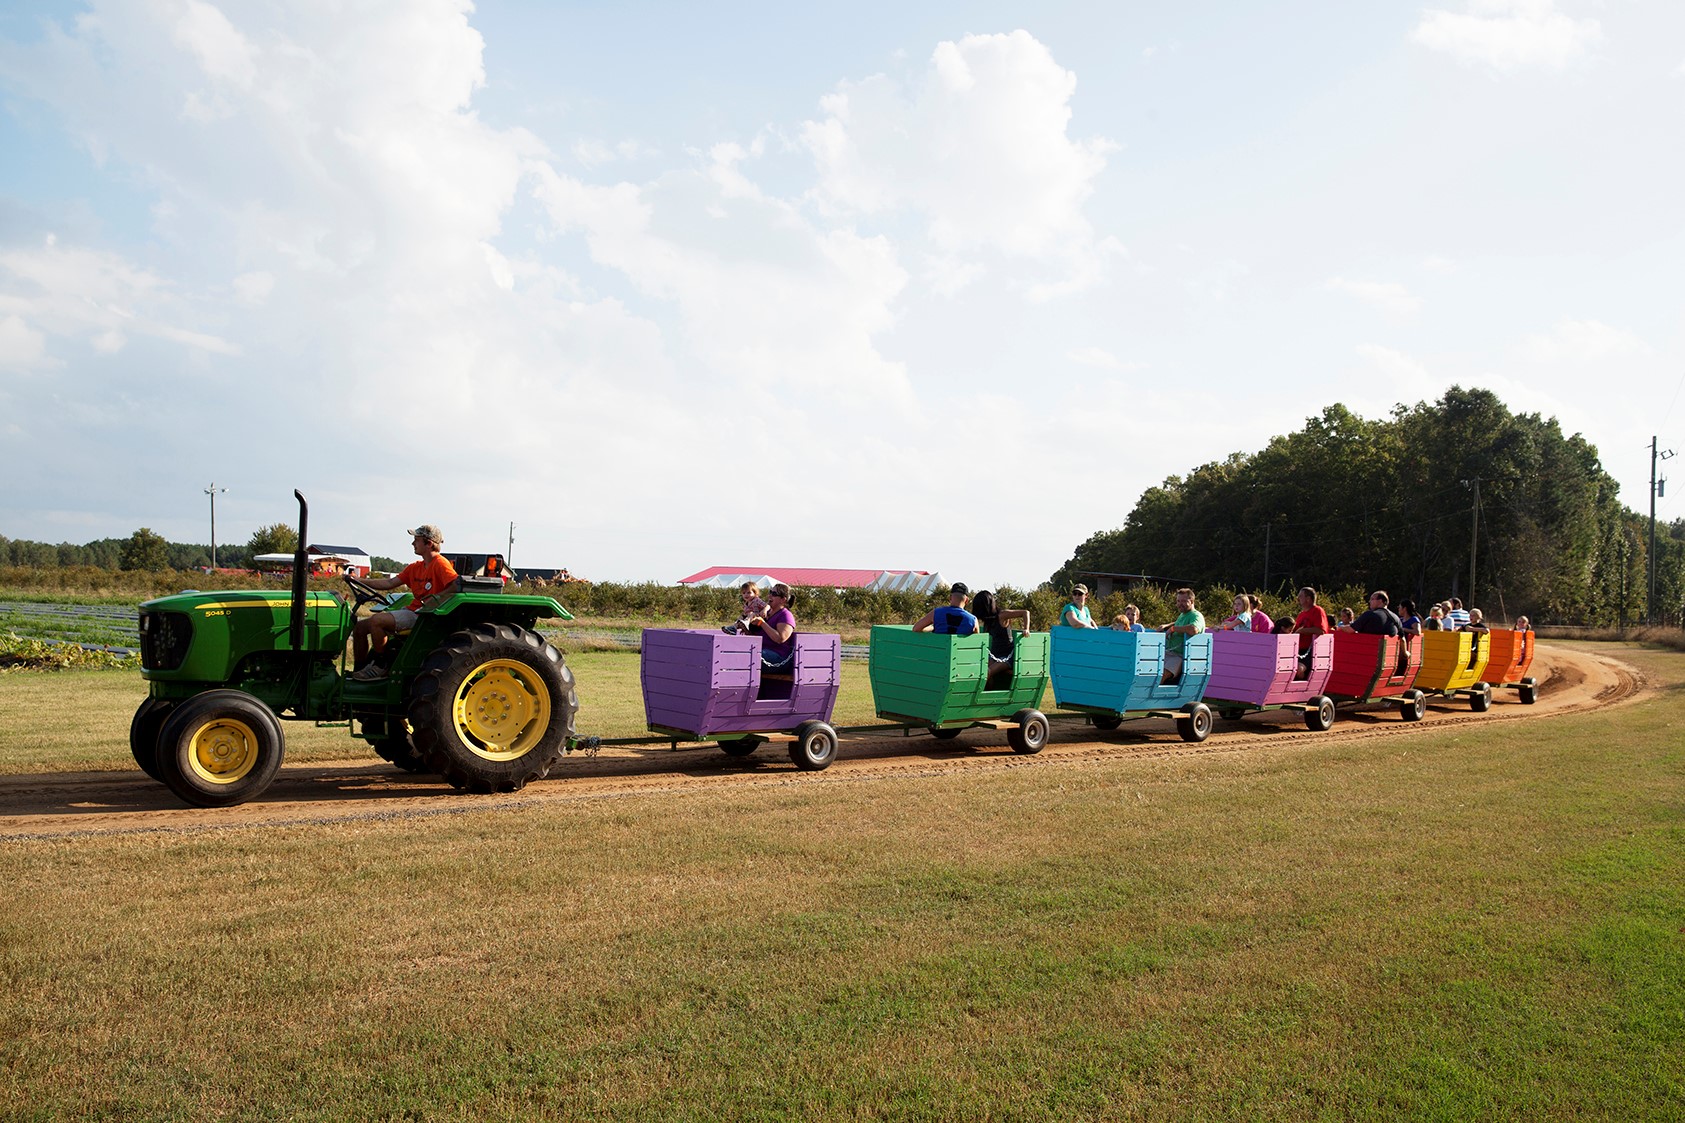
{"type": "Point", "coordinates": [708, 686]}
{"type": "Point", "coordinates": [1256, 672]}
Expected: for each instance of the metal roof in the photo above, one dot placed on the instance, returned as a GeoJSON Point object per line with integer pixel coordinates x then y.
{"type": "Point", "coordinates": [731, 577]}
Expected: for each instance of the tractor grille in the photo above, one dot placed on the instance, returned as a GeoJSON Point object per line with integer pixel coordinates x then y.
{"type": "Point", "coordinates": [164, 637]}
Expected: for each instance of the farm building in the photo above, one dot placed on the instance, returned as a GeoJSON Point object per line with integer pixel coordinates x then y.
{"type": "Point", "coordinates": [891, 580]}
{"type": "Point", "coordinates": [325, 561]}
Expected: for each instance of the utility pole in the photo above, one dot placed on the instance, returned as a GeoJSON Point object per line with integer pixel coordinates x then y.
{"type": "Point", "coordinates": [1656, 487]}
{"type": "Point", "coordinates": [509, 550]}
{"type": "Point", "coordinates": [212, 491]}
{"type": "Point", "coordinates": [1474, 542]}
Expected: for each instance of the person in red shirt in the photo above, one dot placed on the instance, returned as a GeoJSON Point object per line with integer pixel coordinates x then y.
{"type": "Point", "coordinates": [1311, 621]}
{"type": "Point", "coordinates": [430, 577]}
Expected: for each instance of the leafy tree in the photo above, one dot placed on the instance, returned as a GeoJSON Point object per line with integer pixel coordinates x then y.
{"type": "Point", "coordinates": [277, 538]}
{"type": "Point", "coordinates": [144, 550]}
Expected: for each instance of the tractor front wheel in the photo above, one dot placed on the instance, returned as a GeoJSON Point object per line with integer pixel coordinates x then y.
{"type": "Point", "coordinates": [492, 708]}
{"type": "Point", "coordinates": [148, 722]}
{"type": "Point", "coordinates": [220, 748]}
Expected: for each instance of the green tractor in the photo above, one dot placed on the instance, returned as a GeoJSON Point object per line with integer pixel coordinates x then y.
{"type": "Point", "coordinates": [473, 692]}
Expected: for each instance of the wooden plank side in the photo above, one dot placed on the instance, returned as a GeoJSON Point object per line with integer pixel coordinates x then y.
{"type": "Point", "coordinates": [1356, 665]}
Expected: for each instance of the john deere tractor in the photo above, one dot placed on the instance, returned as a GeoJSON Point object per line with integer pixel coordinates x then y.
{"type": "Point", "coordinates": [473, 692]}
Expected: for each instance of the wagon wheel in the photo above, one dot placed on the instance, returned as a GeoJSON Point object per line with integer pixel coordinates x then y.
{"type": "Point", "coordinates": [1320, 718]}
{"type": "Point", "coordinates": [1480, 699]}
{"type": "Point", "coordinates": [815, 746]}
{"type": "Point", "coordinates": [1529, 691]}
{"type": "Point", "coordinates": [946, 732]}
{"type": "Point", "coordinates": [1231, 713]}
{"type": "Point", "coordinates": [220, 748]}
{"type": "Point", "coordinates": [1196, 726]}
{"type": "Point", "coordinates": [1106, 722]}
{"type": "Point", "coordinates": [1414, 707]}
{"type": "Point", "coordinates": [742, 746]}
{"type": "Point", "coordinates": [1030, 734]}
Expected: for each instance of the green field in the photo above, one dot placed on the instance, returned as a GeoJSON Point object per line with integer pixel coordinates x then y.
{"type": "Point", "coordinates": [1479, 922]}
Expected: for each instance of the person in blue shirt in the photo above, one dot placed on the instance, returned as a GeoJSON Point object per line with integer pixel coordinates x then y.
{"type": "Point", "coordinates": [951, 619]}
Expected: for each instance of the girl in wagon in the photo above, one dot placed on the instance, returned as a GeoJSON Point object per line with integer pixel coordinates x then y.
{"type": "Point", "coordinates": [753, 606]}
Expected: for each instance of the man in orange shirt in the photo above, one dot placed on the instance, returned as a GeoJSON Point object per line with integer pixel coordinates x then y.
{"type": "Point", "coordinates": [429, 577]}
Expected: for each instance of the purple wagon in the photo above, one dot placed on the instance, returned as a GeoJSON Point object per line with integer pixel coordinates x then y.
{"type": "Point", "coordinates": [708, 686]}
{"type": "Point", "coordinates": [1255, 672]}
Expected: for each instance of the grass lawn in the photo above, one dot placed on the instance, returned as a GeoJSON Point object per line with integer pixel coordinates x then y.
{"type": "Point", "coordinates": [1474, 923]}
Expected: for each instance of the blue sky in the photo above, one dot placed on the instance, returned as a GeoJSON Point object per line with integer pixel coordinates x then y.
{"type": "Point", "coordinates": [935, 286]}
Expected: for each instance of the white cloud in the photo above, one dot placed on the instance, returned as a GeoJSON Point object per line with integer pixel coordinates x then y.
{"type": "Point", "coordinates": [20, 345]}
{"type": "Point", "coordinates": [1509, 35]}
{"type": "Point", "coordinates": [1100, 357]}
{"type": "Point", "coordinates": [1389, 297]}
{"type": "Point", "coordinates": [594, 153]}
{"type": "Point", "coordinates": [1580, 341]}
{"type": "Point", "coordinates": [1393, 364]}
{"type": "Point", "coordinates": [978, 147]}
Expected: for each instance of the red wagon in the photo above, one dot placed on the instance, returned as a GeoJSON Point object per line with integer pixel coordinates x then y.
{"type": "Point", "coordinates": [1378, 668]}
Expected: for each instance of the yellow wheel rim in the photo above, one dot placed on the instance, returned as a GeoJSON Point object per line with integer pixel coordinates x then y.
{"type": "Point", "coordinates": [223, 751]}
{"type": "Point", "coordinates": [502, 710]}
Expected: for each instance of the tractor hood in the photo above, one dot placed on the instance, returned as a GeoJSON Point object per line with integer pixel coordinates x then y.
{"type": "Point", "coordinates": [203, 636]}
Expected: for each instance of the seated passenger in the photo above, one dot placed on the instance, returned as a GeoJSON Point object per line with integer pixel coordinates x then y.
{"type": "Point", "coordinates": [1261, 622]}
{"type": "Point", "coordinates": [1522, 624]}
{"type": "Point", "coordinates": [1456, 616]}
{"type": "Point", "coordinates": [1436, 619]}
{"type": "Point", "coordinates": [951, 619]}
{"type": "Point", "coordinates": [1188, 622]}
{"type": "Point", "coordinates": [1346, 620]}
{"type": "Point", "coordinates": [1379, 620]}
{"type": "Point", "coordinates": [1407, 618]}
{"type": "Point", "coordinates": [1477, 621]}
{"type": "Point", "coordinates": [1311, 621]}
{"type": "Point", "coordinates": [428, 578]}
{"type": "Point", "coordinates": [1240, 620]}
{"type": "Point", "coordinates": [777, 629]}
{"type": "Point", "coordinates": [992, 619]}
{"type": "Point", "coordinates": [1129, 620]}
{"type": "Point", "coordinates": [753, 606]}
{"type": "Point", "coordinates": [1075, 613]}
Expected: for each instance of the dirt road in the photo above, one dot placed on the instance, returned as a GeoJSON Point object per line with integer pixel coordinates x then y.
{"type": "Point", "coordinates": [67, 804]}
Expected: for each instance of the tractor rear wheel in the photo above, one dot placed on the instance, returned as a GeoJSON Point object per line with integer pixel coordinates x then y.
{"type": "Point", "coordinates": [148, 722]}
{"type": "Point", "coordinates": [220, 748]}
{"type": "Point", "coordinates": [400, 750]}
{"type": "Point", "coordinates": [492, 708]}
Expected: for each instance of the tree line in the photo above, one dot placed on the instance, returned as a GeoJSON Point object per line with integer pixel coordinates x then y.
{"type": "Point", "coordinates": [145, 550]}
{"type": "Point", "coordinates": [1419, 503]}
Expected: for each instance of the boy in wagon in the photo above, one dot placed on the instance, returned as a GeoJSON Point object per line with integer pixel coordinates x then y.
{"type": "Point", "coordinates": [429, 577]}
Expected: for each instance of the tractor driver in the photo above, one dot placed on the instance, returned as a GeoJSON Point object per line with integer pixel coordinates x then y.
{"type": "Point", "coordinates": [429, 577]}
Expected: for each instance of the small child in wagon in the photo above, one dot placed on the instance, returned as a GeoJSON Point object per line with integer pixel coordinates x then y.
{"type": "Point", "coordinates": [753, 606]}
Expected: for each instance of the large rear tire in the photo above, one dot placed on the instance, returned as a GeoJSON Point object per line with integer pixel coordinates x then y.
{"type": "Point", "coordinates": [1029, 736]}
{"type": "Point", "coordinates": [492, 708]}
{"type": "Point", "coordinates": [147, 723]}
{"type": "Point", "coordinates": [220, 748]}
{"type": "Point", "coordinates": [815, 746]}
{"type": "Point", "coordinates": [402, 752]}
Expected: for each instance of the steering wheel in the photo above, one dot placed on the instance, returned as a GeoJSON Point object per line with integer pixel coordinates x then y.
{"type": "Point", "coordinates": [364, 593]}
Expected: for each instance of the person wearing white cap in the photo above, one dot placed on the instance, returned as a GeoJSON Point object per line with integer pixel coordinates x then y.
{"type": "Point", "coordinates": [432, 575]}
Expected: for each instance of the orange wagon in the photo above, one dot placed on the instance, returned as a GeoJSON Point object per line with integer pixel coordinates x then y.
{"type": "Point", "coordinates": [1509, 662]}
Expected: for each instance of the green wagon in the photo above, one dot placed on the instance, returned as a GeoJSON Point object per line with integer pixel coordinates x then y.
{"type": "Point", "coordinates": [942, 682]}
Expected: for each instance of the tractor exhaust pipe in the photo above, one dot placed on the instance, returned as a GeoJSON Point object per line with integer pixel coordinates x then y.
{"type": "Point", "coordinates": [296, 625]}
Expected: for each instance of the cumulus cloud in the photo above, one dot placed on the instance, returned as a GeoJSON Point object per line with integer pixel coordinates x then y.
{"type": "Point", "coordinates": [1509, 35]}
{"type": "Point", "coordinates": [1389, 297]}
{"type": "Point", "coordinates": [977, 144]}
{"type": "Point", "coordinates": [1579, 341]}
